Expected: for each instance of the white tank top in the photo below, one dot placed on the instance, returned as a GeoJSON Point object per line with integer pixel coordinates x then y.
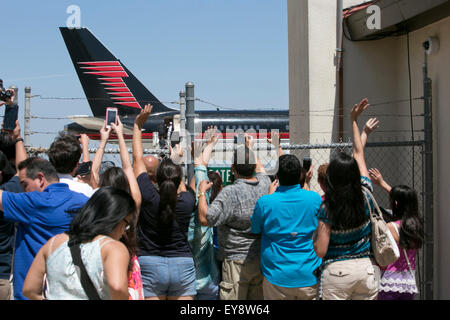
{"type": "Point", "coordinates": [63, 277]}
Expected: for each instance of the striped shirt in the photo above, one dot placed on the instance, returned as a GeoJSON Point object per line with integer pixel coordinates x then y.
{"type": "Point", "coordinates": [351, 243]}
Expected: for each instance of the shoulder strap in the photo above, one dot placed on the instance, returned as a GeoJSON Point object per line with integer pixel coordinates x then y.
{"type": "Point", "coordinates": [86, 282]}
{"type": "Point", "coordinates": [404, 252]}
{"type": "Point", "coordinates": [377, 210]}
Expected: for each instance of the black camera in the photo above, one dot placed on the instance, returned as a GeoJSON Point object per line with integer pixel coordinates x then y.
{"type": "Point", "coordinates": [4, 94]}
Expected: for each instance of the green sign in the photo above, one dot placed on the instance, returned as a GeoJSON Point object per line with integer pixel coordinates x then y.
{"type": "Point", "coordinates": [225, 174]}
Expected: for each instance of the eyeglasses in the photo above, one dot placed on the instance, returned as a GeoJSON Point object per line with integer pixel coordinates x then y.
{"type": "Point", "coordinates": [127, 227]}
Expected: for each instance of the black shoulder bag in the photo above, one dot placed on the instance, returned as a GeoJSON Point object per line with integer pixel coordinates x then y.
{"type": "Point", "coordinates": [86, 282]}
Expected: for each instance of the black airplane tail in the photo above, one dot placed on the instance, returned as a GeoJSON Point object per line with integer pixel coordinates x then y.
{"type": "Point", "coordinates": [105, 80]}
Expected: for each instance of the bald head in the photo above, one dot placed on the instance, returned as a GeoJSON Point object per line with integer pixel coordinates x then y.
{"type": "Point", "coordinates": [151, 164]}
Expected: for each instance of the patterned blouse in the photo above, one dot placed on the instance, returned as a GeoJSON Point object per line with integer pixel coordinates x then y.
{"type": "Point", "coordinates": [352, 243]}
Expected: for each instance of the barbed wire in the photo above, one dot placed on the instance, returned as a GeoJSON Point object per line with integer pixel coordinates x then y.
{"type": "Point", "coordinates": [331, 107]}
{"type": "Point", "coordinates": [325, 112]}
{"type": "Point", "coordinates": [97, 99]}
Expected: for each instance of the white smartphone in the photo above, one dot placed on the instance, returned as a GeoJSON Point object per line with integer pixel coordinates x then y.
{"type": "Point", "coordinates": [111, 116]}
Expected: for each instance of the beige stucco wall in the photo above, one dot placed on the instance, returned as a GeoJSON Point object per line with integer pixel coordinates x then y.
{"type": "Point", "coordinates": [377, 70]}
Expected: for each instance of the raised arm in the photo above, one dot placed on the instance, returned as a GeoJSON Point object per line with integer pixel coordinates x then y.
{"type": "Point", "coordinates": [249, 143]}
{"type": "Point", "coordinates": [358, 149]}
{"type": "Point", "coordinates": [275, 140]}
{"type": "Point", "coordinates": [96, 163]}
{"type": "Point", "coordinates": [138, 151]}
{"type": "Point", "coordinates": [126, 165]}
{"type": "Point", "coordinates": [176, 155]}
{"type": "Point", "coordinates": [211, 141]}
{"type": "Point", "coordinates": [308, 178]}
{"type": "Point", "coordinates": [84, 139]}
{"type": "Point", "coordinates": [21, 153]}
{"type": "Point", "coordinates": [204, 186]}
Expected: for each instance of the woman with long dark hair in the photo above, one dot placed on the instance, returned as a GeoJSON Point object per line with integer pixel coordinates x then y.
{"type": "Point", "coordinates": [167, 265]}
{"type": "Point", "coordinates": [97, 228]}
{"type": "Point", "coordinates": [343, 237]}
{"type": "Point", "coordinates": [122, 178]}
{"type": "Point", "coordinates": [398, 279]}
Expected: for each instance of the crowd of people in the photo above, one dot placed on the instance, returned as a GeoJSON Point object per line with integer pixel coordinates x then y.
{"type": "Point", "coordinates": [87, 230]}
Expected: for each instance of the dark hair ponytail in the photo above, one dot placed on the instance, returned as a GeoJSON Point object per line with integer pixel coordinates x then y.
{"type": "Point", "coordinates": [106, 208]}
{"type": "Point", "coordinates": [168, 200]}
{"type": "Point", "coordinates": [169, 177]}
{"type": "Point", "coordinates": [216, 179]}
{"type": "Point", "coordinates": [405, 207]}
{"type": "Point", "coordinates": [344, 199]}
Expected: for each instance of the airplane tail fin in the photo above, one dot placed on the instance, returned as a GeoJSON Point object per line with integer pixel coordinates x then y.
{"type": "Point", "coordinates": [105, 80]}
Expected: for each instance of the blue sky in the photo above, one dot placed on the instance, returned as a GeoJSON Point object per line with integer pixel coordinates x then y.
{"type": "Point", "coordinates": [235, 52]}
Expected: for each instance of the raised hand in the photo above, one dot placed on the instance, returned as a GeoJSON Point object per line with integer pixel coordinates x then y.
{"type": "Point", "coordinates": [177, 154]}
{"type": "Point", "coordinates": [118, 128]}
{"type": "Point", "coordinates": [375, 176]}
{"type": "Point", "coordinates": [359, 108]}
{"type": "Point", "coordinates": [371, 125]}
{"type": "Point", "coordinates": [211, 135]}
{"type": "Point", "coordinates": [275, 138]}
{"type": "Point", "coordinates": [249, 141]}
{"type": "Point", "coordinates": [84, 139]}
{"type": "Point", "coordinates": [273, 186]}
{"type": "Point", "coordinates": [196, 152]}
{"type": "Point", "coordinates": [378, 179]}
{"type": "Point", "coordinates": [104, 133]}
{"type": "Point", "coordinates": [143, 115]}
{"type": "Point", "coordinates": [16, 131]}
{"type": "Point", "coordinates": [204, 186]}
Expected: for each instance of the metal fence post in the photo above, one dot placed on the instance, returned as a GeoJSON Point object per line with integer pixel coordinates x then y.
{"type": "Point", "coordinates": [429, 207]}
{"type": "Point", "coordinates": [190, 124]}
{"type": "Point", "coordinates": [26, 131]}
{"type": "Point", "coordinates": [182, 112]}
{"type": "Point", "coordinates": [183, 123]}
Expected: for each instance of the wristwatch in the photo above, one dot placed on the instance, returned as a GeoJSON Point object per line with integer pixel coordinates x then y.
{"type": "Point", "coordinates": [201, 194]}
{"type": "Point", "coordinates": [18, 139]}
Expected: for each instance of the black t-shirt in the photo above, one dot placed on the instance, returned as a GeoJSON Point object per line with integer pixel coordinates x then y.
{"type": "Point", "coordinates": [7, 231]}
{"type": "Point", "coordinates": [155, 238]}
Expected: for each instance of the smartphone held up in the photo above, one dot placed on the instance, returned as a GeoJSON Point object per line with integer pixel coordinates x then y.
{"type": "Point", "coordinates": [111, 116]}
{"type": "Point", "coordinates": [307, 161]}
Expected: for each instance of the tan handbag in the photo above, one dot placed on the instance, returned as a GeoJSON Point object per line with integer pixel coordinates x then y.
{"type": "Point", "coordinates": [384, 247]}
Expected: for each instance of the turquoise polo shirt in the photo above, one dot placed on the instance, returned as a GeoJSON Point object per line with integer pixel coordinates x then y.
{"type": "Point", "coordinates": [286, 221]}
{"type": "Point", "coordinates": [39, 216]}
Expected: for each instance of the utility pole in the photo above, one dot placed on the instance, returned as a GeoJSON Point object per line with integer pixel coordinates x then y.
{"type": "Point", "coordinates": [183, 126]}
{"type": "Point", "coordinates": [27, 116]}
{"type": "Point", "coordinates": [190, 125]}
{"type": "Point", "coordinates": [182, 112]}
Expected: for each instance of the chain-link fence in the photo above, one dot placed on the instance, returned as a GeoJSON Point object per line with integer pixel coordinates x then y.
{"type": "Point", "coordinates": [399, 163]}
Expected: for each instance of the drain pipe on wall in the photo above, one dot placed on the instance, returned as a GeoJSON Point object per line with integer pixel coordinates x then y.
{"type": "Point", "coordinates": [339, 68]}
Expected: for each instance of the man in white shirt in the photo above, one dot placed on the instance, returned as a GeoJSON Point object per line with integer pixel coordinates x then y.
{"type": "Point", "coordinates": [64, 154]}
